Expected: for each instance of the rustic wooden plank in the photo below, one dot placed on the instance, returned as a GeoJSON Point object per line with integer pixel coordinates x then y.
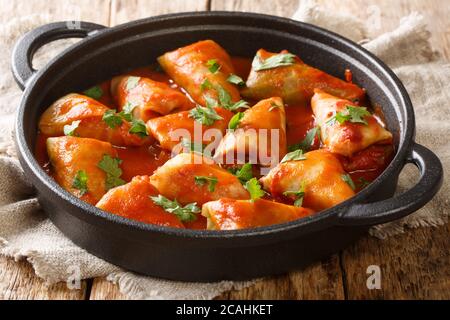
{"type": "Point", "coordinates": [103, 289]}
{"type": "Point", "coordinates": [127, 10]}
{"type": "Point", "coordinates": [321, 281]}
{"type": "Point", "coordinates": [18, 282]}
{"type": "Point", "coordinates": [412, 266]}
{"type": "Point", "coordinates": [87, 10]}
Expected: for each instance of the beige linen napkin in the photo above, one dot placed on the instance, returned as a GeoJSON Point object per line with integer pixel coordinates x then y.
{"type": "Point", "coordinates": [25, 232]}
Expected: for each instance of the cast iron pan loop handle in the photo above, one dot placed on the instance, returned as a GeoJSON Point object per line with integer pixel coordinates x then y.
{"type": "Point", "coordinates": [26, 47]}
{"type": "Point", "coordinates": [431, 176]}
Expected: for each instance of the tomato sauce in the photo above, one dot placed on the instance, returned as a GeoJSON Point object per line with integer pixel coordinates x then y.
{"type": "Point", "coordinates": [363, 167]}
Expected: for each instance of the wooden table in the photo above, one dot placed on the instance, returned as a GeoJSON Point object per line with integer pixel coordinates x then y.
{"type": "Point", "coordinates": [414, 265]}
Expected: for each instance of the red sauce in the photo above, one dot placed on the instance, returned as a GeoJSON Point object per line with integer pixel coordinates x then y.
{"type": "Point", "coordinates": [363, 167]}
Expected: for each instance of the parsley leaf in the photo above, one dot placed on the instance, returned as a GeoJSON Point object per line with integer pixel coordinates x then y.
{"type": "Point", "coordinates": [185, 214]}
{"type": "Point", "coordinates": [127, 111]}
{"type": "Point", "coordinates": [244, 174]}
{"type": "Point", "coordinates": [351, 114]}
{"type": "Point", "coordinates": [306, 143]}
{"type": "Point", "coordinates": [278, 60]}
{"type": "Point", "coordinates": [224, 97]}
{"type": "Point", "coordinates": [69, 129]}
{"type": "Point", "coordinates": [132, 82]}
{"type": "Point", "coordinates": [296, 155]}
{"type": "Point", "coordinates": [211, 181]}
{"type": "Point", "coordinates": [362, 183]}
{"type": "Point", "coordinates": [80, 182]}
{"type": "Point", "coordinates": [94, 92]}
{"type": "Point", "coordinates": [346, 177]}
{"type": "Point", "coordinates": [113, 172]}
{"type": "Point", "coordinates": [139, 128]}
{"type": "Point", "coordinates": [254, 188]}
{"type": "Point", "coordinates": [193, 146]}
{"type": "Point", "coordinates": [273, 106]}
{"type": "Point", "coordinates": [298, 195]}
{"type": "Point", "coordinates": [206, 84]}
{"type": "Point", "coordinates": [204, 115]}
{"type": "Point", "coordinates": [112, 119]}
{"type": "Point", "coordinates": [238, 105]}
{"type": "Point", "coordinates": [235, 120]}
{"type": "Point", "coordinates": [234, 79]}
{"type": "Point", "coordinates": [213, 66]}
{"type": "Point", "coordinates": [225, 100]}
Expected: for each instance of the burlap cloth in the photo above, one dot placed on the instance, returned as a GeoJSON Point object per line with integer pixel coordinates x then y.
{"type": "Point", "coordinates": [26, 233]}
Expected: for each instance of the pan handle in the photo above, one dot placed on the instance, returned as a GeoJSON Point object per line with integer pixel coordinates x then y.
{"type": "Point", "coordinates": [29, 43]}
{"type": "Point", "coordinates": [431, 177]}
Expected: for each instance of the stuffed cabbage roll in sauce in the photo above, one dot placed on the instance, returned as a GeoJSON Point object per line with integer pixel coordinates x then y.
{"type": "Point", "coordinates": [148, 98]}
{"type": "Point", "coordinates": [202, 69]}
{"type": "Point", "coordinates": [229, 214]}
{"type": "Point", "coordinates": [191, 177]}
{"type": "Point", "coordinates": [285, 75]}
{"type": "Point", "coordinates": [133, 201]}
{"type": "Point", "coordinates": [250, 137]}
{"type": "Point", "coordinates": [345, 127]}
{"type": "Point", "coordinates": [317, 175]}
{"type": "Point", "coordinates": [81, 116]}
{"type": "Point", "coordinates": [85, 167]}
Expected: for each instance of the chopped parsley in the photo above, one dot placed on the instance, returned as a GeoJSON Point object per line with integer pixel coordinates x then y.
{"type": "Point", "coordinates": [362, 183]}
{"type": "Point", "coordinates": [112, 119]}
{"type": "Point", "coordinates": [244, 174]}
{"type": "Point", "coordinates": [351, 114]}
{"type": "Point", "coordinates": [298, 195]}
{"type": "Point", "coordinates": [254, 188]}
{"type": "Point", "coordinates": [213, 66]}
{"type": "Point", "coordinates": [205, 115]}
{"type": "Point", "coordinates": [206, 84]}
{"type": "Point", "coordinates": [127, 111]}
{"type": "Point", "coordinates": [278, 60]}
{"type": "Point", "coordinates": [346, 177]}
{"type": "Point", "coordinates": [211, 181]}
{"type": "Point", "coordinates": [132, 82]}
{"type": "Point", "coordinates": [235, 120]}
{"type": "Point", "coordinates": [113, 172]}
{"type": "Point", "coordinates": [296, 155]}
{"type": "Point", "coordinates": [273, 106]}
{"type": "Point", "coordinates": [69, 129]}
{"type": "Point", "coordinates": [185, 214]}
{"type": "Point", "coordinates": [234, 79]}
{"type": "Point", "coordinates": [139, 128]}
{"type": "Point", "coordinates": [80, 182]}
{"type": "Point", "coordinates": [306, 143]}
{"type": "Point", "coordinates": [94, 92]}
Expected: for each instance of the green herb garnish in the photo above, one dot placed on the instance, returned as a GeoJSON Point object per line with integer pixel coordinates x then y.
{"type": "Point", "coordinates": [206, 84]}
{"type": "Point", "coordinates": [80, 182]}
{"type": "Point", "coordinates": [278, 60]}
{"type": "Point", "coordinates": [211, 181]}
{"type": "Point", "coordinates": [298, 195]}
{"type": "Point", "coordinates": [306, 143]}
{"type": "Point", "coordinates": [234, 79]}
{"type": "Point", "coordinates": [94, 92]}
{"type": "Point", "coordinates": [273, 106]}
{"type": "Point", "coordinates": [235, 120]}
{"type": "Point", "coordinates": [69, 129]}
{"type": "Point", "coordinates": [351, 114]}
{"type": "Point", "coordinates": [296, 155]}
{"type": "Point", "coordinates": [113, 172]}
{"type": "Point", "coordinates": [213, 66]}
{"type": "Point", "coordinates": [362, 183]}
{"type": "Point", "coordinates": [346, 177]}
{"type": "Point", "coordinates": [205, 115]}
{"type": "Point", "coordinates": [139, 128]}
{"type": "Point", "coordinates": [254, 188]}
{"type": "Point", "coordinates": [127, 111]}
{"type": "Point", "coordinates": [244, 174]}
{"type": "Point", "coordinates": [185, 214]}
{"type": "Point", "coordinates": [112, 119]}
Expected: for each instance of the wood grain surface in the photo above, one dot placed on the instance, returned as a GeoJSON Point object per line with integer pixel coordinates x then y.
{"type": "Point", "coordinates": [414, 265]}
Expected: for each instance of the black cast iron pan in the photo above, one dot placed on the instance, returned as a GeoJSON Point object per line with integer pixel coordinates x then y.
{"type": "Point", "coordinates": [210, 255]}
